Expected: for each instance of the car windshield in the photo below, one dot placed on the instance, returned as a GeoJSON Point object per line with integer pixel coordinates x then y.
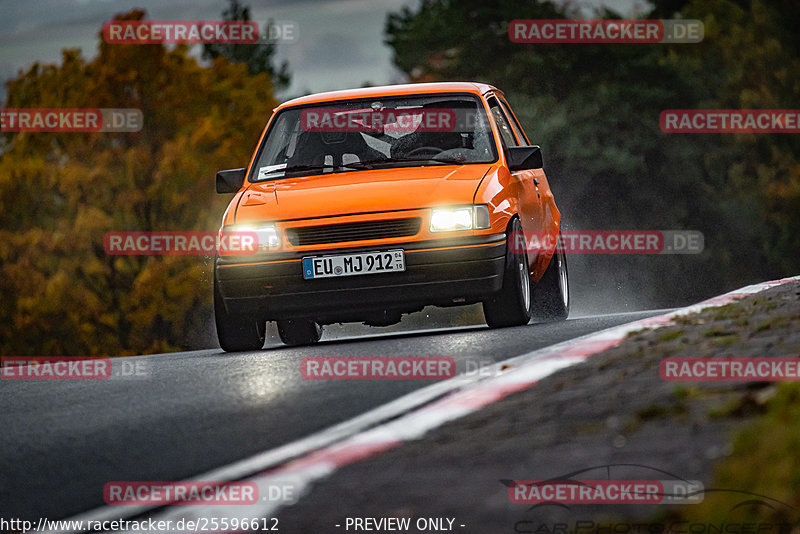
{"type": "Point", "coordinates": [381, 132]}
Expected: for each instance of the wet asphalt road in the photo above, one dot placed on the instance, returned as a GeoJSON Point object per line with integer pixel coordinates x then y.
{"type": "Point", "coordinates": [61, 441]}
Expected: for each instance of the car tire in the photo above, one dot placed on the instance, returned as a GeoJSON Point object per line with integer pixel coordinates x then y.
{"type": "Point", "coordinates": [237, 333]}
{"type": "Point", "coordinates": [299, 331]}
{"type": "Point", "coordinates": [511, 306]}
{"type": "Point", "coordinates": [551, 294]}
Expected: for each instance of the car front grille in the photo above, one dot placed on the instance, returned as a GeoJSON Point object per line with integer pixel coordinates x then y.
{"type": "Point", "coordinates": [358, 231]}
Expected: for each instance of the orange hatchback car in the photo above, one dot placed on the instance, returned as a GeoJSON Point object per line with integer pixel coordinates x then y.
{"type": "Point", "coordinates": [375, 202]}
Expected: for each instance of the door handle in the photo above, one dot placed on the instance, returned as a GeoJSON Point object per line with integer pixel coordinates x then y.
{"type": "Point", "coordinates": [535, 181]}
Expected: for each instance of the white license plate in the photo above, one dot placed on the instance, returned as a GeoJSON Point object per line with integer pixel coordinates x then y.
{"type": "Point", "coordinates": [351, 264]}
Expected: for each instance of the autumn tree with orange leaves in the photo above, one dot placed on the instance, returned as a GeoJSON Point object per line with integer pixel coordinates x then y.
{"type": "Point", "coordinates": [61, 192]}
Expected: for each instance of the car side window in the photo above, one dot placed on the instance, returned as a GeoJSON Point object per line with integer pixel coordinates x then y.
{"type": "Point", "coordinates": [514, 123]}
{"type": "Point", "coordinates": [502, 123]}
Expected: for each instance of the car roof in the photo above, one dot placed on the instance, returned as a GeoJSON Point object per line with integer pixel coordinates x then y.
{"type": "Point", "coordinates": [393, 90]}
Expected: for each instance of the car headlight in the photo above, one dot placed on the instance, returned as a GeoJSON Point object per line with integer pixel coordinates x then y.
{"type": "Point", "coordinates": [461, 218]}
{"type": "Point", "coordinates": [266, 236]}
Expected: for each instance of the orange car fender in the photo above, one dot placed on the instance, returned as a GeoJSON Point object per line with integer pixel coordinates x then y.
{"type": "Point", "coordinates": [551, 219]}
{"type": "Point", "coordinates": [494, 191]}
{"type": "Point", "coordinates": [497, 190]}
{"type": "Point", "coordinates": [230, 212]}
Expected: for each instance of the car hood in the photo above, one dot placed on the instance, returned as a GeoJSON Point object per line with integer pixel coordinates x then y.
{"type": "Point", "coordinates": [359, 192]}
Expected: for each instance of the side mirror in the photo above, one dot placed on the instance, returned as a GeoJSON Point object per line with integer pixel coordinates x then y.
{"type": "Point", "coordinates": [521, 158]}
{"type": "Point", "coordinates": [231, 180]}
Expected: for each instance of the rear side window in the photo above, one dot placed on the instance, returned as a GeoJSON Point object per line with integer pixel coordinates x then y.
{"type": "Point", "coordinates": [515, 125]}
{"type": "Point", "coordinates": [502, 123]}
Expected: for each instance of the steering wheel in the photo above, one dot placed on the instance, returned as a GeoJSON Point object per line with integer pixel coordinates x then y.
{"type": "Point", "coordinates": [423, 149]}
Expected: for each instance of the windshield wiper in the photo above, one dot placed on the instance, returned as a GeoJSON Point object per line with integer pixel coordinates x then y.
{"type": "Point", "coordinates": [300, 168]}
{"type": "Point", "coordinates": [297, 168]}
{"type": "Point", "coordinates": [445, 159]}
{"type": "Point", "coordinates": [450, 159]}
{"type": "Point", "coordinates": [359, 165]}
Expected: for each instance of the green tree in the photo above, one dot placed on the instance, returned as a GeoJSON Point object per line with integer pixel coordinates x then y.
{"type": "Point", "coordinates": [257, 57]}
{"type": "Point", "coordinates": [750, 59]}
{"type": "Point", "coordinates": [594, 109]}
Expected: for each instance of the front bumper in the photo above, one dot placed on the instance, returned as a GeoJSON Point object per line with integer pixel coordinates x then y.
{"type": "Point", "coordinates": [442, 272]}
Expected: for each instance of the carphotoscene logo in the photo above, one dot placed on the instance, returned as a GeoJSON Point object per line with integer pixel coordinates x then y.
{"type": "Point", "coordinates": [721, 369]}
{"type": "Point", "coordinates": [180, 243]}
{"type": "Point", "coordinates": [378, 368]}
{"type": "Point", "coordinates": [243, 32]}
{"type": "Point", "coordinates": [611, 241]}
{"type": "Point", "coordinates": [543, 31]}
{"type": "Point", "coordinates": [76, 120]}
{"type": "Point", "coordinates": [580, 488]}
{"type": "Point", "coordinates": [589, 525]}
{"type": "Point", "coordinates": [730, 121]}
{"type": "Point", "coordinates": [569, 493]}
